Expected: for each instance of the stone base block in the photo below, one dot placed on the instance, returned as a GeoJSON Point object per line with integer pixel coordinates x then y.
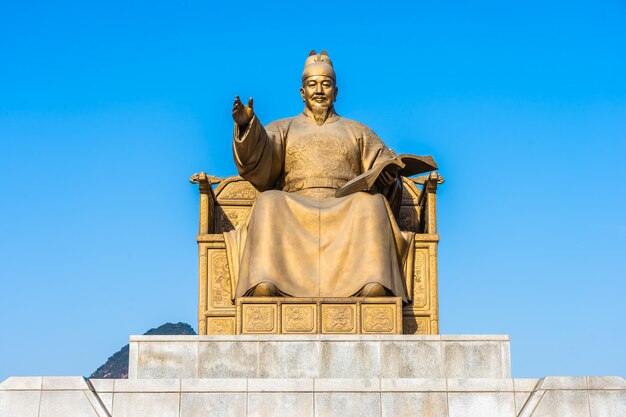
{"type": "Point", "coordinates": [288, 315]}
{"type": "Point", "coordinates": [320, 356]}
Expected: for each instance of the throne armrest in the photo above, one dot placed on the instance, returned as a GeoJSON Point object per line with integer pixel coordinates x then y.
{"type": "Point", "coordinates": [428, 201]}
{"type": "Point", "coordinates": [207, 200]}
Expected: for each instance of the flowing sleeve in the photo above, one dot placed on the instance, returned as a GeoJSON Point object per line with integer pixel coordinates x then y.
{"type": "Point", "coordinates": [259, 153]}
{"type": "Point", "coordinates": [373, 152]}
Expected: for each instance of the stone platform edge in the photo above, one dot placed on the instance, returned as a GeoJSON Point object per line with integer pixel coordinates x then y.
{"type": "Point", "coordinates": [322, 337]}
{"type": "Point", "coordinates": [309, 397]}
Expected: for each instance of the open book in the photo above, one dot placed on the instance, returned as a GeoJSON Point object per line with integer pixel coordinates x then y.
{"type": "Point", "coordinates": [407, 165]}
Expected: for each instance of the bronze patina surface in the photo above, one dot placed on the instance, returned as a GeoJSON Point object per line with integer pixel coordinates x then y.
{"type": "Point", "coordinates": [300, 240]}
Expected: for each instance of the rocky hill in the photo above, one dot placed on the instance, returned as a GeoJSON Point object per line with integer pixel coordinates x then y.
{"type": "Point", "coordinates": [117, 365]}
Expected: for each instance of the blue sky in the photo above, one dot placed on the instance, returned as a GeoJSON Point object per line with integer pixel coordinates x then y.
{"type": "Point", "coordinates": [107, 108]}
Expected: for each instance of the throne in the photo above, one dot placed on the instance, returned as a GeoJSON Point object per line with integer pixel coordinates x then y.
{"type": "Point", "coordinates": [225, 204]}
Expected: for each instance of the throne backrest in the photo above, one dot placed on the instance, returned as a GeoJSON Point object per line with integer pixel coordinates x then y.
{"type": "Point", "coordinates": [235, 196]}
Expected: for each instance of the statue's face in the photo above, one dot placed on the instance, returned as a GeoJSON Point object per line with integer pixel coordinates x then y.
{"type": "Point", "coordinates": [318, 91]}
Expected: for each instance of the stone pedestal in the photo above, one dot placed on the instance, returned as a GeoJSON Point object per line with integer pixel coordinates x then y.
{"type": "Point", "coordinates": [320, 356]}
{"type": "Point", "coordinates": [316, 376]}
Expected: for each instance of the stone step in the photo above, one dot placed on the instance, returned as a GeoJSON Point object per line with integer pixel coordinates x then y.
{"type": "Point", "coordinates": [313, 397]}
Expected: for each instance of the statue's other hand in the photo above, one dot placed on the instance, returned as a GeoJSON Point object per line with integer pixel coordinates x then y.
{"type": "Point", "coordinates": [242, 115]}
{"type": "Point", "coordinates": [387, 177]}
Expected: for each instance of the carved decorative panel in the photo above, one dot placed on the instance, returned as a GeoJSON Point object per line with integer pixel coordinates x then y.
{"type": "Point", "coordinates": [434, 327]}
{"type": "Point", "coordinates": [299, 318]}
{"type": "Point", "coordinates": [420, 279]}
{"type": "Point", "coordinates": [219, 289]}
{"type": "Point", "coordinates": [259, 318]}
{"type": "Point", "coordinates": [338, 318]}
{"type": "Point", "coordinates": [216, 310]}
{"type": "Point", "coordinates": [238, 190]}
{"type": "Point", "coordinates": [422, 325]}
{"type": "Point", "coordinates": [416, 325]}
{"type": "Point", "coordinates": [221, 325]}
{"type": "Point", "coordinates": [434, 293]}
{"type": "Point", "coordinates": [378, 318]}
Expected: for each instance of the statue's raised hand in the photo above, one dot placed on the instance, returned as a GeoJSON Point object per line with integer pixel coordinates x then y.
{"type": "Point", "coordinates": [242, 114]}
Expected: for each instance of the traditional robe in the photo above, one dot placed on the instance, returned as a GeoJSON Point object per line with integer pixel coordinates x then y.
{"type": "Point", "coordinates": [298, 235]}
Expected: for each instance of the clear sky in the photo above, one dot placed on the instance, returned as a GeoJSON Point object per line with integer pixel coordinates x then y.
{"type": "Point", "coordinates": [107, 108]}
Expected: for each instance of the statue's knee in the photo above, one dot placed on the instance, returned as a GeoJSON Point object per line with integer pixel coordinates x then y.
{"type": "Point", "coordinates": [265, 289]}
{"type": "Point", "coordinates": [373, 289]}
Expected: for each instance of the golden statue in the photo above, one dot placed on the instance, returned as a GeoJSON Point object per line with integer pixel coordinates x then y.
{"type": "Point", "coordinates": [301, 240]}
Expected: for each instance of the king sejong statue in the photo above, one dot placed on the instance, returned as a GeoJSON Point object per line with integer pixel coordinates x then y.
{"type": "Point", "coordinates": [301, 240]}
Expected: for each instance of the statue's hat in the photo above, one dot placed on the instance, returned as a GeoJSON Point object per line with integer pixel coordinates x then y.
{"type": "Point", "coordinates": [318, 64]}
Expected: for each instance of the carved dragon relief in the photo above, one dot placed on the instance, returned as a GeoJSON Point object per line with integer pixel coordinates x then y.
{"type": "Point", "coordinates": [259, 318]}
{"type": "Point", "coordinates": [378, 319]}
{"type": "Point", "coordinates": [220, 281]}
{"type": "Point", "coordinates": [338, 319]}
{"type": "Point", "coordinates": [299, 318]}
{"type": "Point", "coordinates": [419, 280]}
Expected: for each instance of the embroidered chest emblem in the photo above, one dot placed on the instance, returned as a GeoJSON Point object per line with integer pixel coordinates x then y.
{"type": "Point", "coordinates": [317, 155]}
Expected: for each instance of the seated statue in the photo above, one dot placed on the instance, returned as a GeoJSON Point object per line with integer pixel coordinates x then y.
{"type": "Point", "coordinates": [300, 240]}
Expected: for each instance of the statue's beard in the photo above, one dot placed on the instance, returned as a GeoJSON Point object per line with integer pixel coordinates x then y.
{"type": "Point", "coordinates": [320, 113]}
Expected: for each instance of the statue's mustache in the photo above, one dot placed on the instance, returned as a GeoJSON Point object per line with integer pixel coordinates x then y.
{"type": "Point", "coordinates": [320, 101]}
